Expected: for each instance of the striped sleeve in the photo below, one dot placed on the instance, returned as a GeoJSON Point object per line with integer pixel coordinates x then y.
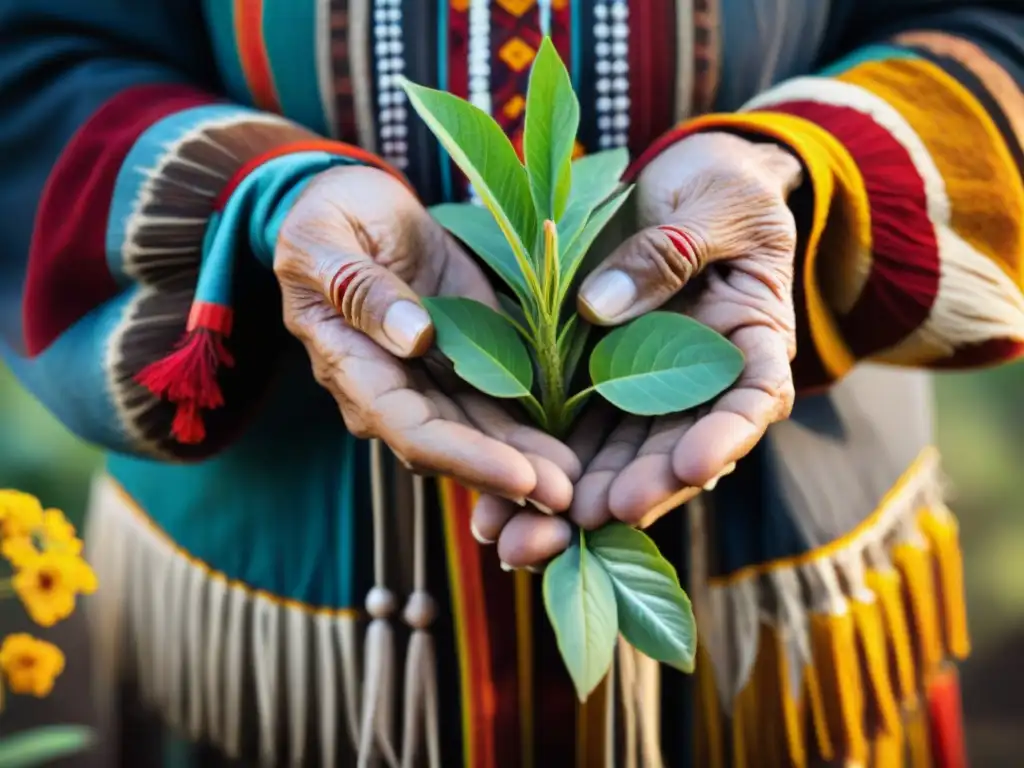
{"type": "Point", "coordinates": [138, 223]}
{"type": "Point", "coordinates": [912, 240]}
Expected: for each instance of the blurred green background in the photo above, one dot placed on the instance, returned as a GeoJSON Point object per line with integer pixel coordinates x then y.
{"type": "Point", "coordinates": [981, 436]}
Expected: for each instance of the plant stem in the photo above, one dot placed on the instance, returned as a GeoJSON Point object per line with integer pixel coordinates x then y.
{"type": "Point", "coordinates": [552, 380]}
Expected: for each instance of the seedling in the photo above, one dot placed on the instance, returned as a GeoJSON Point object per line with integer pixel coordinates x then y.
{"type": "Point", "coordinates": [537, 223]}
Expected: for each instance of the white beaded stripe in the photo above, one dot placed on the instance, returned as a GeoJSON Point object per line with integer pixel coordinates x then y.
{"type": "Point", "coordinates": [611, 67]}
{"type": "Point", "coordinates": [479, 64]}
{"type": "Point", "coordinates": [389, 53]}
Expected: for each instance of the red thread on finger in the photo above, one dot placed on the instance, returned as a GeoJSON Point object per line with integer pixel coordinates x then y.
{"type": "Point", "coordinates": [682, 240]}
{"type": "Point", "coordinates": [342, 281]}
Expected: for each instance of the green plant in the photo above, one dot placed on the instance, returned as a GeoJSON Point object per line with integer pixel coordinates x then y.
{"type": "Point", "coordinates": [539, 220]}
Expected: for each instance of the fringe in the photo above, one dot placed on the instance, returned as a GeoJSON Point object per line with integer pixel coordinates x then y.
{"type": "Point", "coordinates": [850, 646]}
{"type": "Point", "coordinates": [264, 679]}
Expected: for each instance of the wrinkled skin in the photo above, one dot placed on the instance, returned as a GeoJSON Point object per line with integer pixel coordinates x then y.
{"type": "Point", "coordinates": [354, 254]}
{"type": "Point", "coordinates": [730, 243]}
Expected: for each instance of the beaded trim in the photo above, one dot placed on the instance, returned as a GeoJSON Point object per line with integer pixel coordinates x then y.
{"type": "Point", "coordinates": [611, 49]}
{"type": "Point", "coordinates": [389, 52]}
{"type": "Point", "coordinates": [479, 63]}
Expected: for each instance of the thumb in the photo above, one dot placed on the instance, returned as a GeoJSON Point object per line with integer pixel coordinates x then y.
{"type": "Point", "coordinates": [331, 252]}
{"type": "Point", "coordinates": [642, 274]}
{"type": "Point", "coordinates": [374, 300]}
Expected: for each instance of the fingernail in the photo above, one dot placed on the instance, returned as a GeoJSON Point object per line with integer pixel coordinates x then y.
{"type": "Point", "coordinates": [610, 294]}
{"type": "Point", "coordinates": [713, 482]}
{"type": "Point", "coordinates": [535, 569]}
{"type": "Point", "coordinates": [477, 535]}
{"type": "Point", "coordinates": [541, 507]}
{"type": "Point", "coordinates": [404, 323]}
{"type": "Point", "coordinates": [521, 501]}
{"type": "Point", "coordinates": [506, 567]}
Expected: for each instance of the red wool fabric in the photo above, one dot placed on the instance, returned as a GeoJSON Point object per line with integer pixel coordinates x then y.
{"type": "Point", "coordinates": [67, 273]}
{"type": "Point", "coordinates": [904, 278]}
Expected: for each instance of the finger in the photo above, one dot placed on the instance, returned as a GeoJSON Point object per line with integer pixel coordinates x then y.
{"type": "Point", "coordinates": [590, 433]}
{"type": "Point", "coordinates": [739, 419]}
{"type": "Point", "coordinates": [642, 274]}
{"type": "Point", "coordinates": [489, 517]}
{"type": "Point", "coordinates": [649, 480]}
{"type": "Point", "coordinates": [460, 275]}
{"type": "Point", "coordinates": [590, 508]}
{"type": "Point", "coordinates": [361, 252]}
{"type": "Point", "coordinates": [553, 491]}
{"type": "Point", "coordinates": [410, 424]}
{"type": "Point", "coordinates": [533, 538]}
{"type": "Point", "coordinates": [493, 420]}
{"type": "Point", "coordinates": [376, 398]}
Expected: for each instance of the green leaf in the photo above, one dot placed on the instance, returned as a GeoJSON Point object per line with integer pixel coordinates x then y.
{"type": "Point", "coordinates": [483, 345]}
{"type": "Point", "coordinates": [573, 256]}
{"type": "Point", "coordinates": [594, 178]}
{"type": "Point", "coordinates": [41, 746]}
{"type": "Point", "coordinates": [580, 603]}
{"type": "Point", "coordinates": [655, 614]}
{"type": "Point", "coordinates": [662, 363]}
{"type": "Point", "coordinates": [552, 119]}
{"type": "Point", "coordinates": [477, 228]}
{"type": "Point", "coordinates": [483, 152]}
{"type": "Point", "coordinates": [513, 310]}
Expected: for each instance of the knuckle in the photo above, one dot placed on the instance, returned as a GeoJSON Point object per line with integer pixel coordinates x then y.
{"type": "Point", "coordinates": [670, 257]}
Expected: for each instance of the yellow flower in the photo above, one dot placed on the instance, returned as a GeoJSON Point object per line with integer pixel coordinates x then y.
{"type": "Point", "coordinates": [59, 534]}
{"type": "Point", "coordinates": [48, 583]}
{"type": "Point", "coordinates": [30, 665]}
{"type": "Point", "coordinates": [20, 514]}
{"type": "Point", "coordinates": [19, 550]}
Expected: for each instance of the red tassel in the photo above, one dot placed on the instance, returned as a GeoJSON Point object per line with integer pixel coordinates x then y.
{"type": "Point", "coordinates": [946, 716]}
{"type": "Point", "coordinates": [188, 376]}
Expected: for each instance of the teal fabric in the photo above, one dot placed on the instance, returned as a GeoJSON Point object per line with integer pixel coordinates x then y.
{"type": "Point", "coordinates": [277, 510]}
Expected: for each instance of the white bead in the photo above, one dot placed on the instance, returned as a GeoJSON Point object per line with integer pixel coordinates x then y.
{"type": "Point", "coordinates": [621, 139]}
{"type": "Point", "coordinates": [620, 31]}
{"type": "Point", "coordinates": [621, 122]}
{"type": "Point", "coordinates": [420, 611]}
{"type": "Point", "coordinates": [603, 85]}
{"type": "Point", "coordinates": [620, 103]}
{"type": "Point", "coordinates": [620, 10]}
{"type": "Point", "coordinates": [601, 11]}
{"type": "Point", "coordinates": [620, 67]}
{"type": "Point", "coordinates": [380, 602]}
{"type": "Point", "coordinates": [604, 104]}
{"type": "Point", "coordinates": [401, 163]}
{"type": "Point", "coordinates": [620, 49]}
{"type": "Point", "coordinates": [602, 49]}
{"type": "Point", "coordinates": [601, 30]}
{"type": "Point", "coordinates": [620, 84]}
{"type": "Point", "coordinates": [604, 122]}
{"type": "Point", "coordinates": [605, 141]}
{"type": "Point", "coordinates": [603, 67]}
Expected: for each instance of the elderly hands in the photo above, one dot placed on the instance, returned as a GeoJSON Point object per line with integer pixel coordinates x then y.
{"type": "Point", "coordinates": [354, 255]}
{"type": "Point", "coordinates": [718, 243]}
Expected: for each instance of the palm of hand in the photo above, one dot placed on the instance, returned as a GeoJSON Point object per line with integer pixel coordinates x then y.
{"type": "Point", "coordinates": [353, 256]}
{"type": "Point", "coordinates": [716, 222]}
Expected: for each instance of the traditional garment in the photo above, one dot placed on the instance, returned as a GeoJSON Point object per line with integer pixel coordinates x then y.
{"type": "Point", "coordinates": [279, 589]}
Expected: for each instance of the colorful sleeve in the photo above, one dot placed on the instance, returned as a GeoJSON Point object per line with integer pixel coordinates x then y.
{"type": "Point", "coordinates": [912, 239]}
{"type": "Point", "coordinates": [138, 214]}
